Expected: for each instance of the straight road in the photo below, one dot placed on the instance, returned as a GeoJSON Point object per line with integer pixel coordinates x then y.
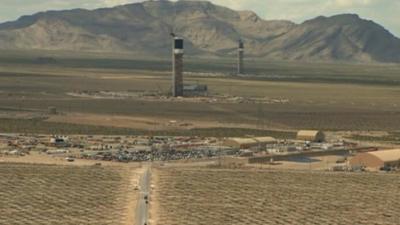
{"type": "Point", "coordinates": [142, 211]}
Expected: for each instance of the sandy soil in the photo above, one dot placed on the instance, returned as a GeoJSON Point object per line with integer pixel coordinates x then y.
{"type": "Point", "coordinates": [146, 123]}
{"type": "Point", "coordinates": [319, 163]}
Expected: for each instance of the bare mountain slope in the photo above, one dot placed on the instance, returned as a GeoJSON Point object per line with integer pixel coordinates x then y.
{"type": "Point", "coordinates": [208, 28]}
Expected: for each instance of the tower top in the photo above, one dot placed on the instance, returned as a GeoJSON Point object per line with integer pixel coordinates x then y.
{"type": "Point", "coordinates": [178, 43]}
{"type": "Point", "coordinates": [241, 44]}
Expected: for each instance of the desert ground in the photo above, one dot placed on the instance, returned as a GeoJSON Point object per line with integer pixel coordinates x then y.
{"type": "Point", "coordinates": [331, 97]}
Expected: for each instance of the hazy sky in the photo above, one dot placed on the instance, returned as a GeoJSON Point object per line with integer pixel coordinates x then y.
{"type": "Point", "coordinates": [384, 12]}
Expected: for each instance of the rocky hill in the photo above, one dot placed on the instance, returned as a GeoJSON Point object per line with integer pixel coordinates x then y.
{"type": "Point", "coordinates": [208, 29]}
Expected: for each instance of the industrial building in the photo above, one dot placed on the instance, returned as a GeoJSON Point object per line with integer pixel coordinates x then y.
{"type": "Point", "coordinates": [377, 160]}
{"type": "Point", "coordinates": [247, 143]}
{"type": "Point", "coordinates": [311, 135]}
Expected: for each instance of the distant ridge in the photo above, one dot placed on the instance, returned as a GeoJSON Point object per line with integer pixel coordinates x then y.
{"type": "Point", "coordinates": [209, 30]}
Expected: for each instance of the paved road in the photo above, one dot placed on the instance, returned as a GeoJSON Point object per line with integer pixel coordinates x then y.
{"type": "Point", "coordinates": [142, 211]}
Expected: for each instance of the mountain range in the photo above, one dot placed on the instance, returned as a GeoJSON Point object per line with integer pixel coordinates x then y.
{"type": "Point", "coordinates": [208, 29]}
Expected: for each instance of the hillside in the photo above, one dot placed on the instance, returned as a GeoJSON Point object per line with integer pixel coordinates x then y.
{"type": "Point", "coordinates": [209, 30]}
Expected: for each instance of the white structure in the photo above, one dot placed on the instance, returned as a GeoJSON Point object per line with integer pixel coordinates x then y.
{"type": "Point", "coordinates": [311, 135]}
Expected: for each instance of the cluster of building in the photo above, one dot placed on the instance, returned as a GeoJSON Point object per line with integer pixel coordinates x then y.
{"type": "Point", "coordinates": [116, 148]}
{"type": "Point", "coordinates": [168, 148]}
{"type": "Point", "coordinates": [143, 148]}
{"type": "Point", "coordinates": [312, 143]}
{"type": "Point", "coordinates": [306, 140]}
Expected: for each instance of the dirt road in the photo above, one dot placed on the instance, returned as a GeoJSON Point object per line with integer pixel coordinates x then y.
{"type": "Point", "coordinates": [142, 211]}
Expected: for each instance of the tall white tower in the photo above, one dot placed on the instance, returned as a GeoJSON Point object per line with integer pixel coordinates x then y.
{"type": "Point", "coordinates": [240, 57]}
{"type": "Point", "coordinates": [177, 67]}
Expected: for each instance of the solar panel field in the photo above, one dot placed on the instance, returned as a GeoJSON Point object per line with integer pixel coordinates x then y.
{"type": "Point", "coordinates": [243, 197]}
{"type": "Point", "coordinates": [50, 194]}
